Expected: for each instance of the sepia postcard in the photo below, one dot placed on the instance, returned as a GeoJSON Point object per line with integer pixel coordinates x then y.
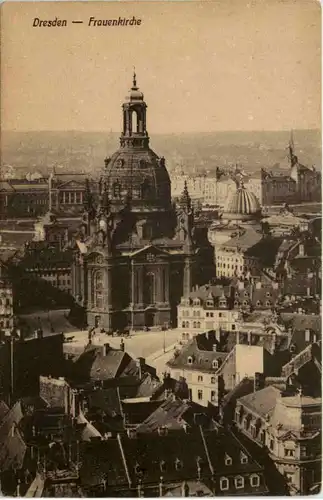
{"type": "Point", "coordinates": [160, 248]}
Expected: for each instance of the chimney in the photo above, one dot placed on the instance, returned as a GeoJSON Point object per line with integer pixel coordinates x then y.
{"type": "Point", "coordinates": [140, 362]}
{"type": "Point", "coordinates": [105, 349]}
{"type": "Point", "coordinates": [18, 492]}
{"type": "Point", "coordinates": [185, 490]}
{"type": "Point", "coordinates": [161, 486]}
{"type": "Point", "coordinates": [214, 347]}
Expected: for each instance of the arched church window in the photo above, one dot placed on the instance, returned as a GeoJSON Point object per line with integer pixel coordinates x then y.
{"type": "Point", "coordinates": [149, 289]}
{"type": "Point", "coordinates": [147, 232]}
{"type": "Point", "coordinates": [134, 121]}
{"type": "Point", "coordinates": [97, 290]}
{"type": "Point", "coordinates": [145, 189]}
{"type": "Point", "coordinates": [116, 190]}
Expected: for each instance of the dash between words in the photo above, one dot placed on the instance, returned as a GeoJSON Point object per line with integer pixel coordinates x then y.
{"type": "Point", "coordinates": [92, 22]}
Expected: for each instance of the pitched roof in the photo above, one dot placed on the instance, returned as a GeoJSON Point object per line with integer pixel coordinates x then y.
{"type": "Point", "coordinates": [244, 241]}
{"type": "Point", "coordinates": [12, 445]}
{"type": "Point", "coordinates": [107, 400]}
{"type": "Point", "coordinates": [193, 358]}
{"type": "Point", "coordinates": [94, 364]}
{"type": "Point", "coordinates": [261, 402]}
{"type": "Point", "coordinates": [138, 412]}
{"type": "Point", "coordinates": [153, 455]}
{"type": "Point", "coordinates": [302, 322]}
{"type": "Point", "coordinates": [174, 414]}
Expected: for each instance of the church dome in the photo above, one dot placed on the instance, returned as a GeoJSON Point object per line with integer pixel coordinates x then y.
{"type": "Point", "coordinates": [135, 172]}
{"type": "Point", "coordinates": [242, 205]}
{"type": "Point", "coordinates": [140, 175]}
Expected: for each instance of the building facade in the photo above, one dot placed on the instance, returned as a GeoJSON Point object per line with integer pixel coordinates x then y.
{"type": "Point", "coordinates": [289, 427]}
{"type": "Point", "coordinates": [133, 244]}
{"type": "Point", "coordinates": [29, 198]}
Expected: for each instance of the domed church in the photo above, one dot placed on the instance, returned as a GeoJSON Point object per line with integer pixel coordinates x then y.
{"type": "Point", "coordinates": [136, 254]}
{"type": "Point", "coordinates": [242, 206]}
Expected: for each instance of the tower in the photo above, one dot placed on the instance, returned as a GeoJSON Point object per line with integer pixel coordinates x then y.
{"type": "Point", "coordinates": [134, 132]}
{"type": "Point", "coordinates": [185, 230]}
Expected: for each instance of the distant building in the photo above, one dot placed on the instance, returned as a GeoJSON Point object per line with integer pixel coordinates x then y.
{"type": "Point", "coordinates": [33, 197]}
{"type": "Point", "coordinates": [285, 223]}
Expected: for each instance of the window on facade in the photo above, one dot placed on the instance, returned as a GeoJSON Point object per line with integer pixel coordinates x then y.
{"type": "Point", "coordinates": [239, 482]}
{"type": "Point", "coordinates": [200, 394]}
{"type": "Point", "coordinates": [97, 290]}
{"type": "Point", "coordinates": [233, 327]}
{"type": "Point", "coordinates": [145, 189]}
{"type": "Point", "coordinates": [178, 464]}
{"type": "Point", "coordinates": [255, 480]}
{"type": "Point", "coordinates": [198, 324]}
{"type": "Point", "coordinates": [289, 453]}
{"type": "Point", "coordinates": [220, 315]}
{"type": "Point", "coordinates": [183, 324]}
{"type": "Point", "coordinates": [200, 378]}
{"type": "Point", "coordinates": [213, 380]}
{"type": "Point", "coordinates": [116, 189]}
{"type": "Point", "coordinates": [224, 483]}
{"type": "Point", "coordinates": [194, 324]}
{"type": "Point", "coordinates": [271, 444]}
{"type": "Point", "coordinates": [149, 289]}
{"type": "Point", "coordinates": [207, 314]}
{"type": "Point", "coordinates": [213, 396]}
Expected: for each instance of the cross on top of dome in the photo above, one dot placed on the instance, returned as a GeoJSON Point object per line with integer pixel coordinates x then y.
{"type": "Point", "coordinates": [134, 81]}
{"type": "Point", "coordinates": [135, 94]}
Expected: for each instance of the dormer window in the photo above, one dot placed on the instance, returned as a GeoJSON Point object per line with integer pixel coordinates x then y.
{"type": "Point", "coordinates": [224, 483]}
{"type": "Point", "coordinates": [258, 303]}
{"type": "Point", "coordinates": [210, 303]}
{"type": "Point", "coordinates": [246, 294]}
{"type": "Point", "coordinates": [162, 466]}
{"type": "Point", "coordinates": [190, 360]}
{"type": "Point", "coordinates": [255, 480]}
{"type": "Point", "coordinates": [137, 469]}
{"type": "Point", "coordinates": [243, 458]}
{"type": "Point", "coordinates": [178, 464]}
{"type": "Point", "coordinates": [215, 364]}
{"type": "Point", "coordinates": [227, 459]}
{"type": "Point", "coordinates": [239, 482]}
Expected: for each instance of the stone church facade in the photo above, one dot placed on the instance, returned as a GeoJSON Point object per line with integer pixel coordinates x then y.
{"type": "Point", "coordinates": [136, 254]}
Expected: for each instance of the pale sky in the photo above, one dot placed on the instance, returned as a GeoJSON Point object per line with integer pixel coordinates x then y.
{"type": "Point", "coordinates": [203, 66]}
